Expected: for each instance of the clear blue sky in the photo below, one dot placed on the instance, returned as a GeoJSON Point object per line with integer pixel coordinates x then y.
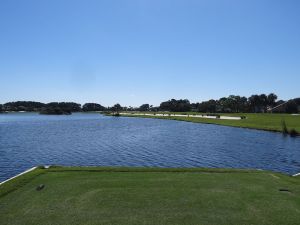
{"type": "Point", "coordinates": [148, 51]}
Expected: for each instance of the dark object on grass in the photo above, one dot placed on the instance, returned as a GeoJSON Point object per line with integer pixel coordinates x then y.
{"type": "Point", "coordinates": [40, 187]}
{"type": "Point", "coordinates": [284, 190]}
{"type": "Point", "coordinates": [243, 117]}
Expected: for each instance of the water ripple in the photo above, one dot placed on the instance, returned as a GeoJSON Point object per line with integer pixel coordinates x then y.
{"type": "Point", "coordinates": [28, 140]}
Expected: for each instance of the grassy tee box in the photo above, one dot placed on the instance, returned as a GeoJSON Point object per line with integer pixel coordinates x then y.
{"type": "Point", "coordinates": [91, 195]}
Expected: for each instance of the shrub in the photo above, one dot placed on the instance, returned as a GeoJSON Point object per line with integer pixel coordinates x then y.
{"type": "Point", "coordinates": [293, 133]}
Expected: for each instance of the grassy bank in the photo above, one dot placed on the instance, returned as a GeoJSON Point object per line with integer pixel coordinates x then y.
{"type": "Point", "coordinates": [269, 122]}
{"type": "Point", "coordinates": [150, 196]}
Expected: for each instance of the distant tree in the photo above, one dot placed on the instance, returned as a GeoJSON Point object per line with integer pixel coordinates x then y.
{"type": "Point", "coordinates": [182, 105]}
{"type": "Point", "coordinates": [65, 106]}
{"type": "Point", "coordinates": [116, 108]}
{"type": "Point", "coordinates": [208, 106]}
{"type": "Point", "coordinates": [167, 106]}
{"type": "Point", "coordinates": [229, 104]}
{"type": "Point", "coordinates": [243, 105]}
{"type": "Point", "coordinates": [54, 111]}
{"type": "Point", "coordinates": [233, 103]}
{"type": "Point", "coordinates": [263, 102]}
{"type": "Point", "coordinates": [144, 107]}
{"type": "Point", "coordinates": [154, 108]}
{"type": "Point", "coordinates": [279, 102]}
{"type": "Point", "coordinates": [130, 108]}
{"type": "Point", "coordinates": [28, 106]}
{"type": "Point", "coordinates": [272, 99]}
{"type": "Point", "coordinates": [88, 107]}
{"type": "Point", "coordinates": [255, 102]}
{"type": "Point", "coordinates": [194, 106]}
{"type": "Point", "coordinates": [297, 100]}
{"type": "Point", "coordinates": [292, 106]}
{"type": "Point", "coordinates": [223, 105]}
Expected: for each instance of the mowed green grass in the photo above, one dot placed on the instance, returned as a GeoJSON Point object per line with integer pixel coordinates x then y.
{"type": "Point", "coordinates": [151, 196]}
{"type": "Point", "coordinates": [261, 121]}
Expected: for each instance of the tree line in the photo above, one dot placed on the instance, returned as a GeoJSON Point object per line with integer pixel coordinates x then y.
{"type": "Point", "coordinates": [235, 104]}
{"type": "Point", "coordinates": [49, 108]}
{"type": "Point", "coordinates": [231, 104]}
{"type": "Point", "coordinates": [55, 107]}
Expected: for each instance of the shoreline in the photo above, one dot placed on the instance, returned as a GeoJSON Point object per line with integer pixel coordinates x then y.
{"type": "Point", "coordinates": [18, 175]}
{"type": "Point", "coordinates": [124, 169]}
{"type": "Point", "coordinates": [185, 116]}
{"type": "Point", "coordinates": [211, 121]}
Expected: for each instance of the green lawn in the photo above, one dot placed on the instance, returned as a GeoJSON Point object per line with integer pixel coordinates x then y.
{"type": "Point", "coordinates": [262, 121]}
{"type": "Point", "coordinates": [150, 196]}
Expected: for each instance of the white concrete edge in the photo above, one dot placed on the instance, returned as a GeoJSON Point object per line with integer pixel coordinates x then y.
{"type": "Point", "coordinates": [296, 175]}
{"type": "Point", "coordinates": [27, 171]}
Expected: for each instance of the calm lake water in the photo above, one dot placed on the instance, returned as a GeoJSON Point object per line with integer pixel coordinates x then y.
{"type": "Point", "coordinates": [28, 139]}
